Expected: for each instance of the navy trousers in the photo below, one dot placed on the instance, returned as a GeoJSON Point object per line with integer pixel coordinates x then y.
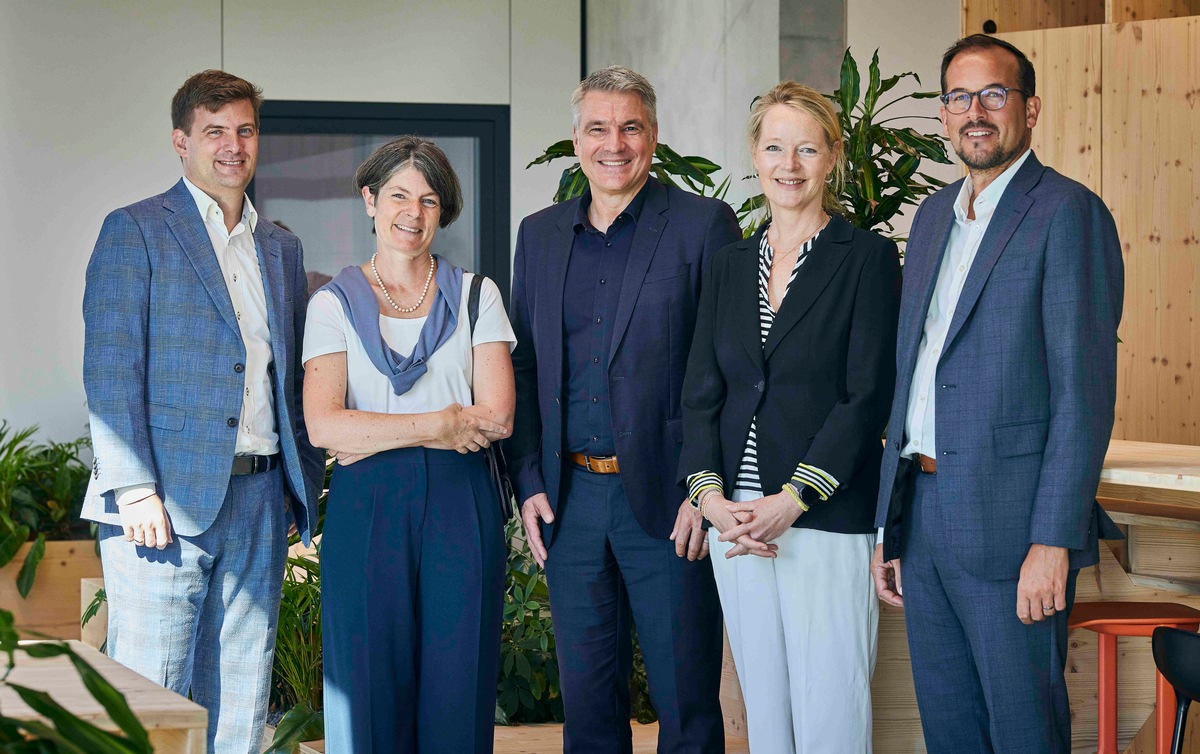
{"type": "Point", "coordinates": [985, 681]}
{"type": "Point", "coordinates": [412, 590]}
{"type": "Point", "coordinates": [606, 574]}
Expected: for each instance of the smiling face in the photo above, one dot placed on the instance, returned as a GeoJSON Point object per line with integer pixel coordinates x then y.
{"type": "Point", "coordinates": [406, 212]}
{"type": "Point", "coordinates": [988, 141]}
{"type": "Point", "coordinates": [221, 150]}
{"type": "Point", "coordinates": [792, 159]}
{"type": "Point", "coordinates": [615, 142]}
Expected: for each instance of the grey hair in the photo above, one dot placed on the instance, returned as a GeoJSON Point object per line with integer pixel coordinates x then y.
{"type": "Point", "coordinates": [616, 78]}
{"type": "Point", "coordinates": [427, 158]}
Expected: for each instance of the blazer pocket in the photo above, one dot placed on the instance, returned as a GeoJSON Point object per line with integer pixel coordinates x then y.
{"type": "Point", "coordinates": [165, 417]}
{"type": "Point", "coordinates": [675, 429]}
{"type": "Point", "coordinates": [666, 273]}
{"type": "Point", "coordinates": [1020, 439]}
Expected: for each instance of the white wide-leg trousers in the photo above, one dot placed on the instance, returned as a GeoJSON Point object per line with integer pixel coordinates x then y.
{"type": "Point", "coordinates": [802, 628]}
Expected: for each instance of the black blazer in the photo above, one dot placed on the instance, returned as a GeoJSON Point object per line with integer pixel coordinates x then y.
{"type": "Point", "coordinates": [677, 233]}
{"type": "Point", "coordinates": [822, 384]}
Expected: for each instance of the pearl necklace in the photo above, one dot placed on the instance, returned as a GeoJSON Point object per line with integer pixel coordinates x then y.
{"type": "Point", "coordinates": [386, 295]}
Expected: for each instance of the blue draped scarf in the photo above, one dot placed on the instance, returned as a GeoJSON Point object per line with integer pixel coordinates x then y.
{"type": "Point", "coordinates": [362, 309]}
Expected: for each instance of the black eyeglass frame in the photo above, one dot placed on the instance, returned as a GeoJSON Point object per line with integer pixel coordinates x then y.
{"type": "Point", "coordinates": [945, 98]}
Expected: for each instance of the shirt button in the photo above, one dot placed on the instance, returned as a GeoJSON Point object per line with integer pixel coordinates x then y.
{"type": "Point", "coordinates": [922, 396]}
{"type": "Point", "coordinates": [601, 281]}
{"type": "Point", "coordinates": [961, 268]}
{"type": "Point", "coordinates": [608, 244]}
{"type": "Point", "coordinates": [916, 443]}
{"type": "Point", "coordinates": [231, 421]}
{"type": "Point", "coordinates": [595, 359]}
{"type": "Point", "coordinates": [597, 320]}
{"type": "Point", "coordinates": [594, 438]}
{"type": "Point", "coordinates": [239, 368]}
{"type": "Point", "coordinates": [595, 400]}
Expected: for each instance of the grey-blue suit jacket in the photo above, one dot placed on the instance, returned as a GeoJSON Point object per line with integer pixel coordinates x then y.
{"type": "Point", "coordinates": [1026, 382]}
{"type": "Point", "coordinates": [163, 360]}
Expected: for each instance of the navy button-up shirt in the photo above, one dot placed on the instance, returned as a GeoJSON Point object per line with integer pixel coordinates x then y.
{"type": "Point", "coordinates": [592, 289]}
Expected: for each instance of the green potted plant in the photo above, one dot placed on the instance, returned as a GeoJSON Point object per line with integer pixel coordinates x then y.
{"type": "Point", "coordinates": [43, 543]}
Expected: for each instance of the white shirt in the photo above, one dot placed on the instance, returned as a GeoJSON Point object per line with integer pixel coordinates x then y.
{"type": "Point", "coordinates": [449, 378]}
{"type": "Point", "coordinates": [238, 260]}
{"type": "Point", "coordinates": [965, 235]}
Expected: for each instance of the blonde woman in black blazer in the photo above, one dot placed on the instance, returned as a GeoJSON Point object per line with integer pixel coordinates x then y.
{"type": "Point", "coordinates": [787, 392]}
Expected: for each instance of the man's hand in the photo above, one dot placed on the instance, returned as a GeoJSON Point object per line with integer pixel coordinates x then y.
{"type": "Point", "coordinates": [887, 579]}
{"type": "Point", "coordinates": [537, 506]}
{"type": "Point", "coordinates": [690, 539]}
{"type": "Point", "coordinates": [145, 523]}
{"type": "Point", "coordinates": [1042, 588]}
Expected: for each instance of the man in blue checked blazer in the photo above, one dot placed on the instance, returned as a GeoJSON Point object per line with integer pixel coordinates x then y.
{"type": "Point", "coordinates": [194, 312]}
{"type": "Point", "coordinates": [1003, 407]}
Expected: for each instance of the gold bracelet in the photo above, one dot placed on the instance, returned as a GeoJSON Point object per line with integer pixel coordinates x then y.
{"type": "Point", "coordinates": [790, 490]}
{"type": "Point", "coordinates": [704, 496]}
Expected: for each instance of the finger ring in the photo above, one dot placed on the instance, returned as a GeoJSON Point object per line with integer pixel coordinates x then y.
{"type": "Point", "coordinates": [139, 541]}
{"type": "Point", "coordinates": [1047, 609]}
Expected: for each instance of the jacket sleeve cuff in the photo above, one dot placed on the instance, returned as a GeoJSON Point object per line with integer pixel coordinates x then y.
{"type": "Point", "coordinates": [818, 479]}
{"type": "Point", "coordinates": [701, 481]}
{"type": "Point", "coordinates": [133, 493]}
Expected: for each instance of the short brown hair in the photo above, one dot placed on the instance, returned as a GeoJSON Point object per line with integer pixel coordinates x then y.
{"type": "Point", "coordinates": [422, 154]}
{"type": "Point", "coordinates": [212, 90]}
{"type": "Point", "coordinates": [1026, 75]}
{"type": "Point", "coordinates": [806, 100]}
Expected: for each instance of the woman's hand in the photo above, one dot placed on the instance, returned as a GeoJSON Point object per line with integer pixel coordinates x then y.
{"type": "Point", "coordinates": [467, 430]}
{"type": "Point", "coordinates": [769, 518]}
{"type": "Point", "coordinates": [487, 414]}
{"type": "Point", "coordinates": [719, 513]}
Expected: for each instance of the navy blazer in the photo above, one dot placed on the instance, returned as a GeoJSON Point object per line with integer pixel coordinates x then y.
{"type": "Point", "coordinates": [162, 363]}
{"type": "Point", "coordinates": [677, 233]}
{"type": "Point", "coordinates": [1026, 382]}
{"type": "Point", "coordinates": [821, 385]}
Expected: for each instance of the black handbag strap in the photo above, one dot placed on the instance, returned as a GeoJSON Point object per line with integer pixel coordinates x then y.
{"type": "Point", "coordinates": [473, 302]}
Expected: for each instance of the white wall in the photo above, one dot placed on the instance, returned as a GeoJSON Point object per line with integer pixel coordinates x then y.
{"type": "Point", "coordinates": [85, 92]}
{"type": "Point", "coordinates": [707, 61]}
{"type": "Point", "coordinates": [910, 36]}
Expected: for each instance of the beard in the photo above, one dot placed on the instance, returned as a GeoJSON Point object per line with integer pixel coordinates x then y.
{"type": "Point", "coordinates": [983, 160]}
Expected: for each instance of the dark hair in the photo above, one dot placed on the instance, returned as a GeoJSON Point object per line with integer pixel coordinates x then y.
{"type": "Point", "coordinates": [1026, 78]}
{"type": "Point", "coordinates": [212, 90]}
{"type": "Point", "coordinates": [426, 157]}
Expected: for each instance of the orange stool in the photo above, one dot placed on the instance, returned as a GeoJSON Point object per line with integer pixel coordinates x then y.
{"type": "Point", "coordinates": [1113, 619]}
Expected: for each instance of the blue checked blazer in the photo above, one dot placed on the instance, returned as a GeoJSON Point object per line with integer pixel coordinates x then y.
{"type": "Point", "coordinates": [1026, 382]}
{"type": "Point", "coordinates": [160, 349]}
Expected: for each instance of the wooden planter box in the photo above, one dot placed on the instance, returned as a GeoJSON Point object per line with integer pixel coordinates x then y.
{"type": "Point", "coordinates": [52, 608]}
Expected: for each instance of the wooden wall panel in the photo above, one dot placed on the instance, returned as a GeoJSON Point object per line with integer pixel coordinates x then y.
{"type": "Point", "coordinates": [1122, 11]}
{"type": "Point", "coordinates": [1022, 15]}
{"type": "Point", "coordinates": [1069, 82]}
{"type": "Point", "coordinates": [1151, 118]}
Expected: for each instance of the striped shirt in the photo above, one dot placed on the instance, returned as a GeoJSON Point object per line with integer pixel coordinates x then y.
{"type": "Point", "coordinates": [747, 474]}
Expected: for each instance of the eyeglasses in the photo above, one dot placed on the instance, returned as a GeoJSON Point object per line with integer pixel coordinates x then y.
{"type": "Point", "coordinates": [992, 98]}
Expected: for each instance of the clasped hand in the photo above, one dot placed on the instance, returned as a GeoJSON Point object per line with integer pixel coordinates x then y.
{"type": "Point", "coordinates": [469, 429]}
{"type": "Point", "coordinates": [753, 525]}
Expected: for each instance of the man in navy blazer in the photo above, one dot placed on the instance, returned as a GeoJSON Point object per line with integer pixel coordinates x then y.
{"type": "Point", "coordinates": [194, 312]}
{"type": "Point", "coordinates": [605, 290]}
{"type": "Point", "coordinates": [1006, 381]}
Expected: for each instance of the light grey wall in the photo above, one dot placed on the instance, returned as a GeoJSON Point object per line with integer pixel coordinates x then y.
{"type": "Point", "coordinates": [812, 38]}
{"type": "Point", "coordinates": [707, 61]}
{"type": "Point", "coordinates": [85, 90]}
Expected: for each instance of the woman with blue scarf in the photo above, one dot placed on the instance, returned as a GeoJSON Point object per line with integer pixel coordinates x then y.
{"type": "Point", "coordinates": [402, 391]}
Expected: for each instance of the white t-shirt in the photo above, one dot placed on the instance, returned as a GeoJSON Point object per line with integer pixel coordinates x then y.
{"type": "Point", "coordinates": [328, 330]}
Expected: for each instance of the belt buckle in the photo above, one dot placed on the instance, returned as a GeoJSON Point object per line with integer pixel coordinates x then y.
{"type": "Point", "coordinates": [256, 469]}
{"type": "Point", "coordinates": [587, 464]}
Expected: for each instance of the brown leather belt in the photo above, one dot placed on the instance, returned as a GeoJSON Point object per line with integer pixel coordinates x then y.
{"type": "Point", "coordinates": [595, 464]}
{"type": "Point", "coordinates": [928, 465]}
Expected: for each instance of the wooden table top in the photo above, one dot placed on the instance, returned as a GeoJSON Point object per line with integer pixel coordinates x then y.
{"type": "Point", "coordinates": [1152, 464]}
{"type": "Point", "coordinates": [156, 707]}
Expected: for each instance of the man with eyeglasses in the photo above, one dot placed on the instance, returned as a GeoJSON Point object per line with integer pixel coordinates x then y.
{"type": "Point", "coordinates": [1006, 381]}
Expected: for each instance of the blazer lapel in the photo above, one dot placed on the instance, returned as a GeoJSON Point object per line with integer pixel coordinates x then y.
{"type": "Point", "coordinates": [743, 298]}
{"type": "Point", "coordinates": [646, 236]}
{"type": "Point", "coordinates": [555, 280]}
{"type": "Point", "coordinates": [824, 259]}
{"type": "Point", "coordinates": [920, 278]}
{"type": "Point", "coordinates": [1010, 210]}
{"type": "Point", "coordinates": [188, 227]}
{"type": "Point", "coordinates": [270, 262]}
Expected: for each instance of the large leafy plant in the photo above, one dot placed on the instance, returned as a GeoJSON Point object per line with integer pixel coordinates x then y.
{"type": "Point", "coordinates": [882, 161]}
{"type": "Point", "coordinates": [41, 492]}
{"type": "Point", "coordinates": [60, 731]}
